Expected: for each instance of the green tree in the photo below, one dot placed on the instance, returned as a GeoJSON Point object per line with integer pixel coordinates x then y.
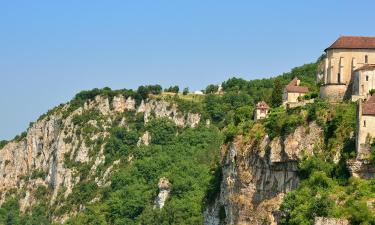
{"type": "Point", "coordinates": [211, 89]}
{"type": "Point", "coordinates": [185, 91]}
{"type": "Point", "coordinates": [277, 92]}
{"type": "Point", "coordinates": [162, 131]}
{"type": "Point", "coordinates": [173, 89]}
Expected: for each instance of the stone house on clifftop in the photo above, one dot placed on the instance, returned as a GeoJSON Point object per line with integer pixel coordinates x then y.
{"type": "Point", "coordinates": [293, 92]}
{"type": "Point", "coordinates": [342, 59]}
{"type": "Point", "coordinates": [364, 82]}
{"type": "Point", "coordinates": [365, 127]}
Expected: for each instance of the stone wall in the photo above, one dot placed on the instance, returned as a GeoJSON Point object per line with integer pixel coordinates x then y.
{"type": "Point", "coordinates": [333, 92]}
{"type": "Point", "coordinates": [291, 97]}
{"type": "Point", "coordinates": [291, 105]}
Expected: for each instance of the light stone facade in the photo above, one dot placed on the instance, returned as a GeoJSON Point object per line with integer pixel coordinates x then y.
{"type": "Point", "coordinates": [261, 111]}
{"type": "Point", "coordinates": [294, 92]}
{"type": "Point", "coordinates": [365, 132]}
{"type": "Point", "coordinates": [341, 60]}
{"type": "Point", "coordinates": [290, 97]}
{"type": "Point", "coordinates": [333, 92]}
{"type": "Point", "coordinates": [339, 64]}
{"type": "Point", "coordinates": [364, 82]}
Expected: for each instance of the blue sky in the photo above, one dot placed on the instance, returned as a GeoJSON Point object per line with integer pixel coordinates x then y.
{"type": "Point", "coordinates": [50, 50]}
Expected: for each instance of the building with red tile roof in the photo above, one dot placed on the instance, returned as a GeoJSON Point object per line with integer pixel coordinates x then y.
{"type": "Point", "coordinates": [363, 82]}
{"type": "Point", "coordinates": [342, 58]}
{"type": "Point", "coordinates": [369, 107]}
{"type": "Point", "coordinates": [353, 42]}
{"type": "Point", "coordinates": [365, 127]}
{"type": "Point", "coordinates": [294, 91]}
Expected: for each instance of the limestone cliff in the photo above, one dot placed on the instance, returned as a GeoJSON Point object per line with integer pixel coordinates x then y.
{"type": "Point", "coordinates": [256, 175]}
{"type": "Point", "coordinates": [52, 152]}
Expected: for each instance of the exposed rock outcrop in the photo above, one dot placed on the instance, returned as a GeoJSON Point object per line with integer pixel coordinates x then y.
{"type": "Point", "coordinates": [256, 176]}
{"type": "Point", "coordinates": [145, 139]}
{"type": "Point", "coordinates": [361, 168]}
{"type": "Point", "coordinates": [120, 104]}
{"type": "Point", "coordinates": [330, 221]}
{"type": "Point", "coordinates": [54, 146]}
{"type": "Point", "coordinates": [164, 109]}
{"type": "Point", "coordinates": [164, 189]}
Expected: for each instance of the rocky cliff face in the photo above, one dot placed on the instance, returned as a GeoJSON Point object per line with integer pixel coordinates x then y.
{"type": "Point", "coordinates": [54, 147]}
{"type": "Point", "coordinates": [257, 174]}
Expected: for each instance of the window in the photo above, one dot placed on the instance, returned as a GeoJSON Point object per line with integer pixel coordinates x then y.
{"type": "Point", "coordinates": [354, 63]}
{"type": "Point", "coordinates": [366, 59]}
{"type": "Point", "coordinates": [364, 123]}
{"type": "Point", "coordinates": [366, 78]}
{"type": "Point", "coordinates": [339, 78]}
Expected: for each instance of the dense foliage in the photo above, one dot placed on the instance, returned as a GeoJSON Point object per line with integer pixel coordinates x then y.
{"type": "Point", "coordinates": [189, 161]}
{"type": "Point", "coordinates": [326, 188]}
{"type": "Point", "coordinates": [261, 89]}
{"type": "Point", "coordinates": [173, 89]}
{"type": "Point", "coordinates": [320, 194]}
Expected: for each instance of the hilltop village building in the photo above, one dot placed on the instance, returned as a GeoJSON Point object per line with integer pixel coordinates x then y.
{"type": "Point", "coordinates": [344, 68]}
{"type": "Point", "coordinates": [261, 110]}
{"type": "Point", "coordinates": [365, 127]}
{"type": "Point", "coordinates": [364, 82]}
{"type": "Point", "coordinates": [293, 92]}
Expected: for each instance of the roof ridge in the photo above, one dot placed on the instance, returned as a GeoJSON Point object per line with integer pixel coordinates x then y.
{"type": "Point", "coordinates": [353, 42]}
{"type": "Point", "coordinates": [351, 36]}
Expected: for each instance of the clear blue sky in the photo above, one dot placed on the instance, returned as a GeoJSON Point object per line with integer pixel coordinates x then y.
{"type": "Point", "coordinates": [50, 50]}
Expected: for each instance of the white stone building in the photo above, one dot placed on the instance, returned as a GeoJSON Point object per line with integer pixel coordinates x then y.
{"type": "Point", "coordinates": [365, 127]}
{"type": "Point", "coordinates": [261, 110]}
{"type": "Point", "coordinates": [363, 82]}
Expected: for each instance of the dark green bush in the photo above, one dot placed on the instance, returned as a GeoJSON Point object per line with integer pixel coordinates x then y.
{"type": "Point", "coordinates": [3, 143]}
{"type": "Point", "coordinates": [173, 89]}
{"type": "Point", "coordinates": [163, 131]}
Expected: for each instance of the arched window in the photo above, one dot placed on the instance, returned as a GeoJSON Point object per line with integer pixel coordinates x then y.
{"type": "Point", "coordinates": [364, 123]}
{"type": "Point", "coordinates": [367, 78]}
{"type": "Point", "coordinates": [366, 59]}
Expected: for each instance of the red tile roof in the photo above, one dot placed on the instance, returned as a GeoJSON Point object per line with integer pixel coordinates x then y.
{"type": "Point", "coordinates": [294, 87]}
{"type": "Point", "coordinates": [353, 42]}
{"type": "Point", "coordinates": [369, 106]}
{"type": "Point", "coordinates": [366, 67]}
{"type": "Point", "coordinates": [262, 105]}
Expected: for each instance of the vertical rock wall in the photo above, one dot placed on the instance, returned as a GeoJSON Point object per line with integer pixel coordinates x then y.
{"type": "Point", "coordinates": [256, 176]}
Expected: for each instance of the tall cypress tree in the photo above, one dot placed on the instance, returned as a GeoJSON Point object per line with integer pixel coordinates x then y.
{"type": "Point", "coordinates": [277, 92]}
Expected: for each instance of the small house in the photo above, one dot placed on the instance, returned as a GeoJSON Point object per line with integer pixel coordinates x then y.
{"type": "Point", "coordinates": [261, 110]}
{"type": "Point", "coordinates": [293, 92]}
{"type": "Point", "coordinates": [365, 127]}
{"type": "Point", "coordinates": [363, 82]}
